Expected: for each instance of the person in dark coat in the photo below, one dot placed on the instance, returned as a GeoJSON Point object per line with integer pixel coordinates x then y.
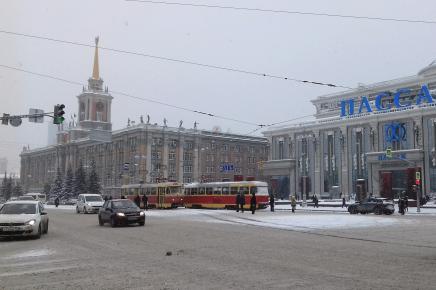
{"type": "Point", "coordinates": [137, 200]}
{"type": "Point", "coordinates": [400, 205]}
{"type": "Point", "coordinates": [57, 201]}
{"type": "Point", "coordinates": [105, 198]}
{"type": "Point", "coordinates": [110, 197]}
{"type": "Point", "coordinates": [253, 203]}
{"type": "Point", "coordinates": [344, 204]}
{"type": "Point", "coordinates": [406, 203]}
{"type": "Point", "coordinates": [238, 201]}
{"type": "Point", "coordinates": [242, 201]}
{"type": "Point", "coordinates": [145, 201]}
{"type": "Point", "coordinates": [271, 202]}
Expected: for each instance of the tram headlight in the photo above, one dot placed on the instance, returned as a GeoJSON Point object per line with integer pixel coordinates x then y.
{"type": "Point", "coordinates": [120, 214]}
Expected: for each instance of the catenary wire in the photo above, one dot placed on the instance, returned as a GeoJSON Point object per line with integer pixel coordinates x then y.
{"type": "Point", "coordinates": [135, 97]}
{"type": "Point", "coordinates": [210, 66]}
{"type": "Point", "coordinates": [286, 11]}
{"type": "Point", "coordinates": [277, 123]}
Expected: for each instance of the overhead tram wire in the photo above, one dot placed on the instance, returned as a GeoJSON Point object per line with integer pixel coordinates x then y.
{"type": "Point", "coordinates": [286, 11]}
{"type": "Point", "coordinates": [278, 123]}
{"type": "Point", "coordinates": [210, 66]}
{"type": "Point", "coordinates": [156, 102]}
{"type": "Point", "coordinates": [136, 97]}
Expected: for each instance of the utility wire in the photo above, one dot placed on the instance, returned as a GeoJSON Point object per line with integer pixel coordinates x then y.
{"type": "Point", "coordinates": [277, 123]}
{"type": "Point", "coordinates": [154, 101]}
{"type": "Point", "coordinates": [134, 97]}
{"type": "Point", "coordinates": [210, 66]}
{"type": "Point", "coordinates": [286, 11]}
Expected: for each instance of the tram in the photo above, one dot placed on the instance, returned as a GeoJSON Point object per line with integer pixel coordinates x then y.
{"type": "Point", "coordinates": [223, 194]}
{"type": "Point", "coordinates": [160, 195]}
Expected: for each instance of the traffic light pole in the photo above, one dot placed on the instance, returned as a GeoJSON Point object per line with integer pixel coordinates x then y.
{"type": "Point", "coordinates": [8, 117]}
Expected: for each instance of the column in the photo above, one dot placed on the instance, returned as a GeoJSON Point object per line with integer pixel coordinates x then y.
{"type": "Point", "coordinates": [318, 141]}
{"type": "Point", "coordinates": [165, 156]}
{"type": "Point", "coordinates": [180, 159]}
{"type": "Point", "coordinates": [148, 158]}
{"type": "Point", "coordinates": [345, 176]}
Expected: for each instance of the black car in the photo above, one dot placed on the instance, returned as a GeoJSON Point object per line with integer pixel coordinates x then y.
{"type": "Point", "coordinates": [120, 212]}
{"type": "Point", "coordinates": [372, 205]}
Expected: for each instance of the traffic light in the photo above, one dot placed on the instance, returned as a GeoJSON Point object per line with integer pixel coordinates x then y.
{"type": "Point", "coordinates": [58, 117]}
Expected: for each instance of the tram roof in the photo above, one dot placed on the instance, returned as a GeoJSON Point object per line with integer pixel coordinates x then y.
{"type": "Point", "coordinates": [228, 183]}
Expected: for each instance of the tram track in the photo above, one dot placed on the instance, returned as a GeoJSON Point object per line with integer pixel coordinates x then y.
{"type": "Point", "coordinates": [307, 230]}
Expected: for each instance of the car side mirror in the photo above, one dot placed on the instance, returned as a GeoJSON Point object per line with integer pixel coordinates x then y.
{"type": "Point", "coordinates": [44, 213]}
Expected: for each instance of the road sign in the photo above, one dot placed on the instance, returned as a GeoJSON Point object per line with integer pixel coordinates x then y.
{"type": "Point", "coordinates": [389, 152]}
{"type": "Point", "coordinates": [126, 166]}
{"type": "Point", "coordinates": [15, 121]}
{"type": "Point", "coordinates": [36, 119]}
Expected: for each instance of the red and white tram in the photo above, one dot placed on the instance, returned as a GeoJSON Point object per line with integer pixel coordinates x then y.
{"type": "Point", "coordinates": [160, 195]}
{"type": "Point", "coordinates": [223, 194]}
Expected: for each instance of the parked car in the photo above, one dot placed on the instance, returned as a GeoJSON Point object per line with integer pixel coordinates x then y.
{"type": "Point", "coordinates": [120, 212]}
{"type": "Point", "coordinates": [89, 203]}
{"type": "Point", "coordinates": [372, 205]}
{"type": "Point", "coordinates": [23, 218]}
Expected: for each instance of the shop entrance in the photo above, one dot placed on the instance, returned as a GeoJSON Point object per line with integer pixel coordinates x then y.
{"type": "Point", "coordinates": [394, 182]}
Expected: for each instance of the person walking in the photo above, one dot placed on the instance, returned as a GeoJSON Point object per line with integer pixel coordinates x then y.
{"type": "Point", "coordinates": [400, 205]}
{"type": "Point", "coordinates": [242, 201]}
{"type": "Point", "coordinates": [137, 200]}
{"type": "Point", "coordinates": [145, 201]}
{"type": "Point", "coordinates": [105, 198]}
{"type": "Point", "coordinates": [316, 201]}
{"type": "Point", "coordinates": [406, 203]}
{"type": "Point", "coordinates": [344, 204]}
{"type": "Point", "coordinates": [293, 203]}
{"type": "Point", "coordinates": [238, 201]}
{"type": "Point", "coordinates": [253, 203]}
{"type": "Point", "coordinates": [57, 201]}
{"type": "Point", "coordinates": [271, 202]}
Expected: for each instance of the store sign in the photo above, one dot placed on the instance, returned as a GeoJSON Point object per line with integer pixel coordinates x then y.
{"type": "Point", "coordinates": [399, 156]}
{"type": "Point", "coordinates": [227, 168]}
{"type": "Point", "coordinates": [348, 106]}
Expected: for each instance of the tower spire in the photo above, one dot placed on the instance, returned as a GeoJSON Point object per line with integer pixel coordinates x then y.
{"type": "Point", "coordinates": [95, 70]}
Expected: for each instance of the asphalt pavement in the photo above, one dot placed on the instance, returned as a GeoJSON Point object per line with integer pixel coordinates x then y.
{"type": "Point", "coordinates": [180, 249]}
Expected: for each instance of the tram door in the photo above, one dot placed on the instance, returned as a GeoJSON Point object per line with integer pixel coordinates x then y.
{"type": "Point", "coordinates": [160, 197]}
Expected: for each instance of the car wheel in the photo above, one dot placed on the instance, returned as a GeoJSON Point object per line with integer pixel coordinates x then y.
{"type": "Point", "coordinates": [100, 221]}
{"type": "Point", "coordinates": [46, 228]}
{"type": "Point", "coordinates": [352, 210]}
{"type": "Point", "coordinates": [378, 211]}
{"type": "Point", "coordinates": [77, 209]}
{"type": "Point", "coordinates": [38, 235]}
{"type": "Point", "coordinates": [113, 222]}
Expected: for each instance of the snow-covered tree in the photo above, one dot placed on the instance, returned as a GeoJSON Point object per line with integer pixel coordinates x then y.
{"type": "Point", "coordinates": [79, 181]}
{"type": "Point", "coordinates": [67, 186]}
{"type": "Point", "coordinates": [17, 190]}
{"type": "Point", "coordinates": [47, 188]}
{"type": "Point", "coordinates": [56, 188]}
{"type": "Point", "coordinates": [93, 180]}
{"type": "Point", "coordinates": [6, 187]}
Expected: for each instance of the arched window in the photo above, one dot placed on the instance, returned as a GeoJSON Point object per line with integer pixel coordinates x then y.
{"type": "Point", "coordinates": [99, 108]}
{"type": "Point", "coordinates": [82, 111]}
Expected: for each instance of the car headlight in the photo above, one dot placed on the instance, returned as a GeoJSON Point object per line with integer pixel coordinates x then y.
{"type": "Point", "coordinates": [141, 213]}
{"type": "Point", "coordinates": [120, 214]}
{"type": "Point", "coordinates": [31, 222]}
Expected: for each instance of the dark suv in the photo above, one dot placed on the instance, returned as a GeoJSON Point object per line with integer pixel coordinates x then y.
{"type": "Point", "coordinates": [372, 205]}
{"type": "Point", "coordinates": [120, 212]}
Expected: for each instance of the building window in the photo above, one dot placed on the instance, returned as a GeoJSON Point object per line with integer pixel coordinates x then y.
{"type": "Point", "coordinates": [173, 143]}
{"type": "Point", "coordinates": [225, 147]}
{"type": "Point", "coordinates": [172, 156]}
{"type": "Point", "coordinates": [187, 156]}
{"type": "Point", "coordinates": [238, 148]}
{"type": "Point", "coordinates": [281, 149]}
{"type": "Point", "coordinates": [187, 180]}
{"type": "Point", "coordinates": [188, 145]}
{"type": "Point", "coordinates": [187, 169]}
{"type": "Point", "coordinates": [251, 160]}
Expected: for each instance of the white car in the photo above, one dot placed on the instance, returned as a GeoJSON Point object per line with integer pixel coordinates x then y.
{"type": "Point", "coordinates": [89, 203]}
{"type": "Point", "coordinates": [23, 218]}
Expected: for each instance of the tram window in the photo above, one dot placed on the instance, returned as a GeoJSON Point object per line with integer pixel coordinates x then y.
{"type": "Point", "coordinates": [194, 191]}
{"type": "Point", "coordinates": [209, 190]}
{"type": "Point", "coordinates": [217, 190]}
{"type": "Point", "coordinates": [225, 190]}
{"type": "Point", "coordinates": [233, 190]}
{"type": "Point", "coordinates": [186, 191]}
{"type": "Point", "coordinates": [167, 190]}
{"type": "Point", "coordinates": [202, 190]}
{"type": "Point", "coordinates": [153, 191]}
{"type": "Point", "coordinates": [243, 189]}
{"type": "Point", "coordinates": [253, 190]}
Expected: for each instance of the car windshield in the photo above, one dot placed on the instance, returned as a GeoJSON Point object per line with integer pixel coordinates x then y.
{"type": "Point", "coordinates": [93, 198]}
{"type": "Point", "coordinates": [18, 208]}
{"type": "Point", "coordinates": [123, 203]}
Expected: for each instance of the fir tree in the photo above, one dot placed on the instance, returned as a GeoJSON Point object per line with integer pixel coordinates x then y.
{"type": "Point", "coordinates": [8, 188]}
{"type": "Point", "coordinates": [79, 181]}
{"type": "Point", "coordinates": [18, 190]}
{"type": "Point", "coordinates": [4, 183]}
{"type": "Point", "coordinates": [56, 188]}
{"type": "Point", "coordinates": [93, 180]}
{"type": "Point", "coordinates": [67, 187]}
{"type": "Point", "coordinates": [47, 189]}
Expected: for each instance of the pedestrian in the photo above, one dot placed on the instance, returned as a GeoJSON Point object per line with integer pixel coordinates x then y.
{"type": "Point", "coordinates": [406, 203]}
{"type": "Point", "coordinates": [344, 204]}
{"type": "Point", "coordinates": [110, 197]}
{"type": "Point", "coordinates": [316, 201]}
{"type": "Point", "coordinates": [145, 201]}
{"type": "Point", "coordinates": [57, 201]}
{"type": "Point", "coordinates": [238, 201]}
{"type": "Point", "coordinates": [400, 205]}
{"type": "Point", "coordinates": [242, 201]}
{"type": "Point", "coordinates": [293, 203]}
{"type": "Point", "coordinates": [253, 203]}
{"type": "Point", "coordinates": [271, 202]}
{"type": "Point", "coordinates": [105, 198]}
{"type": "Point", "coordinates": [137, 200]}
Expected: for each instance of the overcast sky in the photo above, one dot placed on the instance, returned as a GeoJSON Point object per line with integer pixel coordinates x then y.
{"type": "Point", "coordinates": [325, 49]}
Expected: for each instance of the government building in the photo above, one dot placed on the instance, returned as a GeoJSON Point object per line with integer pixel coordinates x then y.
{"type": "Point", "coordinates": [375, 139]}
{"type": "Point", "coordinates": [141, 152]}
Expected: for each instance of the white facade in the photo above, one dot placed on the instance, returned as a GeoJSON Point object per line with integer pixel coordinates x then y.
{"type": "Point", "coordinates": [344, 149]}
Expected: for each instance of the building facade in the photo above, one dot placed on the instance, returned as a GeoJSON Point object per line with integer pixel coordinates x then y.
{"type": "Point", "coordinates": [347, 148]}
{"type": "Point", "coordinates": [141, 152]}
